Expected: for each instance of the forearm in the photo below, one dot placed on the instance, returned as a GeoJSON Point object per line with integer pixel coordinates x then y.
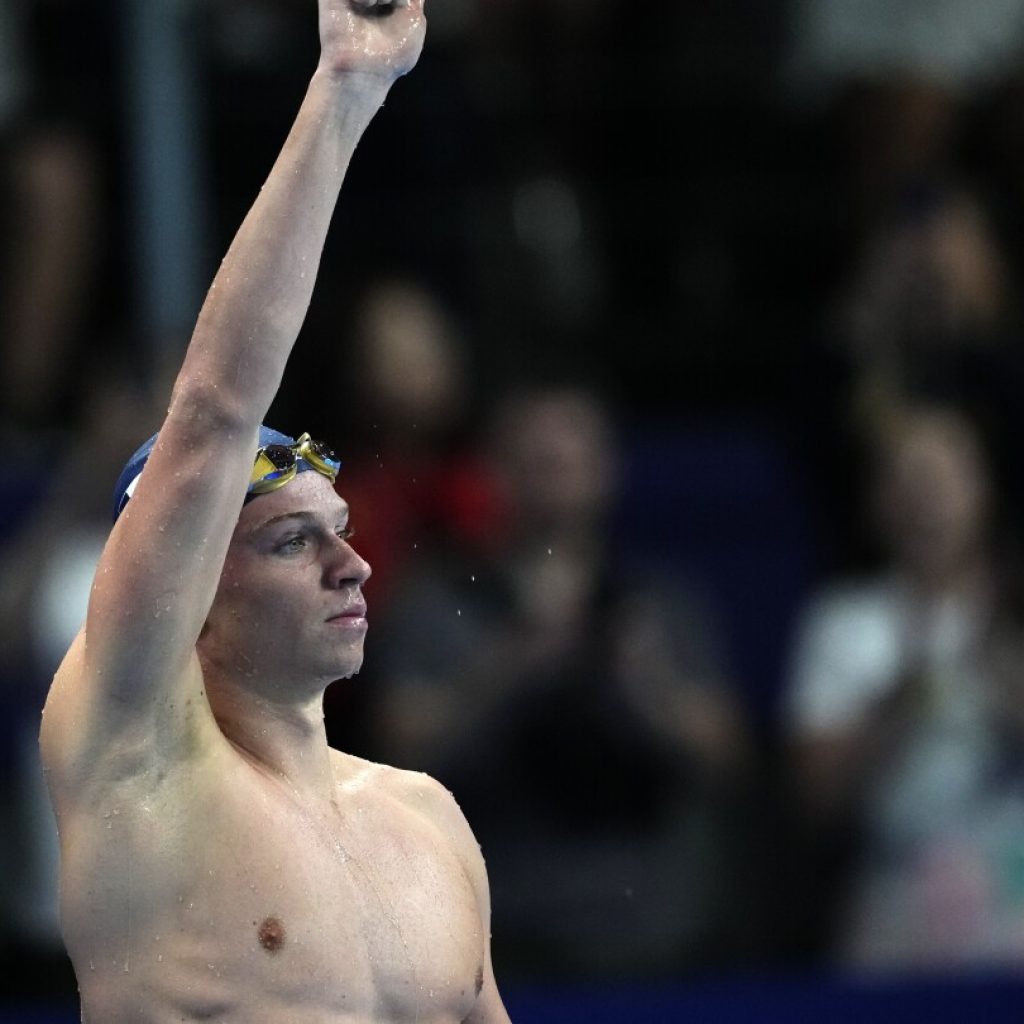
{"type": "Point", "coordinates": [258, 300]}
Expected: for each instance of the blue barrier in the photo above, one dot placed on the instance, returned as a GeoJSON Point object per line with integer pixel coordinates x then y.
{"type": "Point", "coordinates": [993, 999]}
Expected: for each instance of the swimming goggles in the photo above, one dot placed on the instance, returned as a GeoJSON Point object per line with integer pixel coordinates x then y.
{"type": "Point", "coordinates": [276, 464]}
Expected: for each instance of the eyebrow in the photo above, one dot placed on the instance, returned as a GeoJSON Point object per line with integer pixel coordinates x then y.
{"type": "Point", "coordinates": [303, 515]}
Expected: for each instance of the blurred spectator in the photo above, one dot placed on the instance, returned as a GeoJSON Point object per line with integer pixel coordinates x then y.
{"type": "Point", "coordinates": [931, 280]}
{"type": "Point", "coordinates": [925, 311]}
{"type": "Point", "coordinates": [928, 306]}
{"type": "Point", "coordinates": [536, 78]}
{"type": "Point", "coordinates": [580, 707]}
{"type": "Point", "coordinates": [403, 424]}
{"type": "Point", "coordinates": [404, 430]}
{"type": "Point", "coordinates": [906, 107]}
{"type": "Point", "coordinates": [52, 209]}
{"type": "Point", "coordinates": [54, 107]}
{"type": "Point", "coordinates": [47, 565]}
{"type": "Point", "coordinates": [898, 79]}
{"type": "Point", "coordinates": [904, 715]}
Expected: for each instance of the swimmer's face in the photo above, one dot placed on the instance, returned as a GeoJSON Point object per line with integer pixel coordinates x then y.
{"type": "Point", "coordinates": [289, 606]}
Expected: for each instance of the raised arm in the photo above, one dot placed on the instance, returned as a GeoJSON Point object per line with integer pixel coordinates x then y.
{"type": "Point", "coordinates": [260, 295]}
{"type": "Point", "coordinates": [159, 572]}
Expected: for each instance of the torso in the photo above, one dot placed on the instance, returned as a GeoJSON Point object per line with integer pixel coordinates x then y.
{"type": "Point", "coordinates": [212, 891]}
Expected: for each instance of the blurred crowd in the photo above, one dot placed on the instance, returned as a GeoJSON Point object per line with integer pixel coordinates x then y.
{"type": "Point", "coordinates": [674, 359]}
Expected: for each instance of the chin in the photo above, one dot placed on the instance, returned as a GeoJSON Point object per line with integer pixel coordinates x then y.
{"type": "Point", "coordinates": [349, 670]}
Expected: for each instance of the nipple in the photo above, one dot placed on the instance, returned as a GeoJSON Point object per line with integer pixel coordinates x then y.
{"type": "Point", "coordinates": [271, 934]}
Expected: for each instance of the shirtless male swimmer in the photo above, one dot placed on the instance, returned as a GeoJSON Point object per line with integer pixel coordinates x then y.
{"type": "Point", "coordinates": [219, 861]}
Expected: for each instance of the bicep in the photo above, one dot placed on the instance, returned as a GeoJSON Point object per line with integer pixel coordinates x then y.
{"type": "Point", "coordinates": [159, 570]}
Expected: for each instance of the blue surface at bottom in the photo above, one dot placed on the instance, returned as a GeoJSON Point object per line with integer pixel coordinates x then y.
{"type": "Point", "coordinates": [777, 1001]}
{"type": "Point", "coordinates": [997, 999]}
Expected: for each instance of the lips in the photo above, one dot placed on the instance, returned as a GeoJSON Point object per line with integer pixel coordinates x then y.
{"type": "Point", "coordinates": [355, 611]}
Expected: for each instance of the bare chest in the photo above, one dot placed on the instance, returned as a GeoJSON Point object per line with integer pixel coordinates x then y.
{"type": "Point", "coordinates": [256, 899]}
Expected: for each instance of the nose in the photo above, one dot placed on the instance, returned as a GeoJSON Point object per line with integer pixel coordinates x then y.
{"type": "Point", "coordinates": [345, 567]}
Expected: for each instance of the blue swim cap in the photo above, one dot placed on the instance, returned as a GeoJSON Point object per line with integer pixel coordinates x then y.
{"type": "Point", "coordinates": [125, 486]}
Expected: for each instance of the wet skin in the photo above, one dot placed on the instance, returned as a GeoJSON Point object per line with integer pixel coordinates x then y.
{"type": "Point", "coordinates": [227, 865]}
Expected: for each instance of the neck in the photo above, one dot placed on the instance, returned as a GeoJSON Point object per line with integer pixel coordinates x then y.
{"type": "Point", "coordinates": [287, 740]}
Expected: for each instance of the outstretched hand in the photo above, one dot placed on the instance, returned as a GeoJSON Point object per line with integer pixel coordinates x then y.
{"type": "Point", "coordinates": [376, 37]}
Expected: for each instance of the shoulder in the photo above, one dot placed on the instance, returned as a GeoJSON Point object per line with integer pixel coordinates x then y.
{"type": "Point", "coordinates": [427, 796]}
{"type": "Point", "coordinates": [416, 793]}
{"type": "Point", "coordinates": [413, 790]}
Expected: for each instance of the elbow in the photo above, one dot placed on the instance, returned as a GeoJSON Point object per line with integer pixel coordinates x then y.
{"type": "Point", "coordinates": [230, 385]}
{"type": "Point", "coordinates": [203, 407]}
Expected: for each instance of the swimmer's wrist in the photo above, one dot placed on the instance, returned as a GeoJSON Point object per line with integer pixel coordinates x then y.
{"type": "Point", "coordinates": [356, 96]}
{"type": "Point", "coordinates": [356, 82]}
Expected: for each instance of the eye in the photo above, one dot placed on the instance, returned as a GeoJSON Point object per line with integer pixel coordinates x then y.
{"type": "Point", "coordinates": [345, 532]}
{"type": "Point", "coordinates": [291, 544]}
